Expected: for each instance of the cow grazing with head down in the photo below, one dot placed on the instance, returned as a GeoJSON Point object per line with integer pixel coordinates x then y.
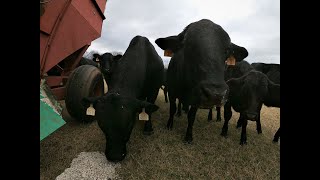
{"type": "Point", "coordinates": [133, 88]}
{"type": "Point", "coordinates": [196, 69]}
{"type": "Point", "coordinates": [106, 61]}
{"type": "Point", "coordinates": [247, 95]}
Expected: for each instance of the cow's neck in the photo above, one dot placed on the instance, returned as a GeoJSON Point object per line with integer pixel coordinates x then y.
{"type": "Point", "coordinates": [127, 86]}
{"type": "Point", "coordinates": [125, 91]}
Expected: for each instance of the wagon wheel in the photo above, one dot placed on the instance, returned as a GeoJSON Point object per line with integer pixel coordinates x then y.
{"type": "Point", "coordinates": [84, 81]}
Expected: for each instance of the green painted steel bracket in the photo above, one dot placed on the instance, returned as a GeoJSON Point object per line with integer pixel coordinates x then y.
{"type": "Point", "coordinates": [50, 120]}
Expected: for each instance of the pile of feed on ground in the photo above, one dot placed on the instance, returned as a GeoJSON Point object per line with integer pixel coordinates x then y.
{"type": "Point", "coordinates": [90, 165]}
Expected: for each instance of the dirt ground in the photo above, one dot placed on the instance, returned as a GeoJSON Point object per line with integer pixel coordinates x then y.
{"type": "Point", "coordinates": [163, 155]}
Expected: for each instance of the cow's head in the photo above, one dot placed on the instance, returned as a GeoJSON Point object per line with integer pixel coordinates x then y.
{"type": "Point", "coordinates": [107, 62]}
{"type": "Point", "coordinates": [116, 115]}
{"type": "Point", "coordinates": [205, 47]}
{"type": "Point", "coordinates": [252, 89]}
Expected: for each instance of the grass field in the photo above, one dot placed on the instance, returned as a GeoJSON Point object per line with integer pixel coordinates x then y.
{"type": "Point", "coordinates": [164, 155]}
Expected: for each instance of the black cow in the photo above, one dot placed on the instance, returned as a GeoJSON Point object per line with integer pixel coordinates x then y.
{"type": "Point", "coordinates": [273, 73]}
{"type": "Point", "coordinates": [246, 95]}
{"type": "Point", "coordinates": [134, 85]}
{"type": "Point", "coordinates": [106, 61]}
{"type": "Point", "coordinates": [232, 71]}
{"type": "Point", "coordinates": [271, 70]}
{"type": "Point", "coordinates": [196, 70]}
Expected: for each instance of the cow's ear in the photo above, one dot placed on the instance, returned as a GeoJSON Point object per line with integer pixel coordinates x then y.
{"type": "Point", "coordinates": [238, 52]}
{"type": "Point", "coordinates": [172, 43]}
{"type": "Point", "coordinates": [86, 101]}
{"type": "Point", "coordinates": [96, 57]}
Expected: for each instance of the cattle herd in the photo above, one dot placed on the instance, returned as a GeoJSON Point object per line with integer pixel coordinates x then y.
{"type": "Point", "coordinates": [198, 76]}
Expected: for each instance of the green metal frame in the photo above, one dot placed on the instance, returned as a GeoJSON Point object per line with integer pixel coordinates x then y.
{"type": "Point", "coordinates": [50, 120]}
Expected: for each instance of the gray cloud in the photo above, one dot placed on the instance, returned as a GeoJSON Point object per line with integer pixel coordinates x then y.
{"type": "Point", "coordinates": [259, 33]}
{"type": "Point", "coordinates": [252, 24]}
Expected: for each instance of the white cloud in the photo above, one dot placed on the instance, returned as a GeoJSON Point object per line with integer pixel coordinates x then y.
{"type": "Point", "coordinates": [252, 24]}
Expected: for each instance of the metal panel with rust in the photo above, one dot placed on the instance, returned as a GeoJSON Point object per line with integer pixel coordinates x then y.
{"type": "Point", "coordinates": [56, 80]}
{"type": "Point", "coordinates": [90, 12]}
{"type": "Point", "coordinates": [43, 44]}
{"type": "Point", "coordinates": [79, 25]}
{"type": "Point", "coordinates": [52, 11]}
{"type": "Point", "coordinates": [101, 6]}
{"type": "Point", "coordinates": [59, 92]}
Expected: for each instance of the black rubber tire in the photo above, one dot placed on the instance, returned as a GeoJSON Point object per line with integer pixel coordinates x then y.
{"type": "Point", "coordinates": [84, 81]}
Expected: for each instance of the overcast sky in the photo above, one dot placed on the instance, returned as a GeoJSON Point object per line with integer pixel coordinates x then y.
{"type": "Point", "coordinates": [253, 24]}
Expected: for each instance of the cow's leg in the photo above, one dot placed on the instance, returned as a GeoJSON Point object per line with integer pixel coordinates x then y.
{"type": "Point", "coordinates": [239, 122]}
{"type": "Point", "coordinates": [259, 130]}
{"type": "Point", "coordinates": [218, 113]}
{"type": "Point", "coordinates": [227, 117]}
{"type": "Point", "coordinates": [243, 139]}
{"type": "Point", "coordinates": [179, 108]}
{"type": "Point", "coordinates": [210, 115]}
{"type": "Point", "coordinates": [185, 108]}
{"type": "Point", "coordinates": [173, 109]}
{"type": "Point", "coordinates": [276, 136]}
{"type": "Point", "coordinates": [165, 91]}
{"type": "Point", "coordinates": [148, 130]}
{"type": "Point", "coordinates": [191, 116]}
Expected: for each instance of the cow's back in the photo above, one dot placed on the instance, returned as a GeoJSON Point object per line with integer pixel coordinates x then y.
{"type": "Point", "coordinates": [258, 66]}
{"type": "Point", "coordinates": [271, 70]}
{"type": "Point", "coordinates": [274, 73]}
{"type": "Point", "coordinates": [138, 69]}
{"type": "Point", "coordinates": [155, 69]}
